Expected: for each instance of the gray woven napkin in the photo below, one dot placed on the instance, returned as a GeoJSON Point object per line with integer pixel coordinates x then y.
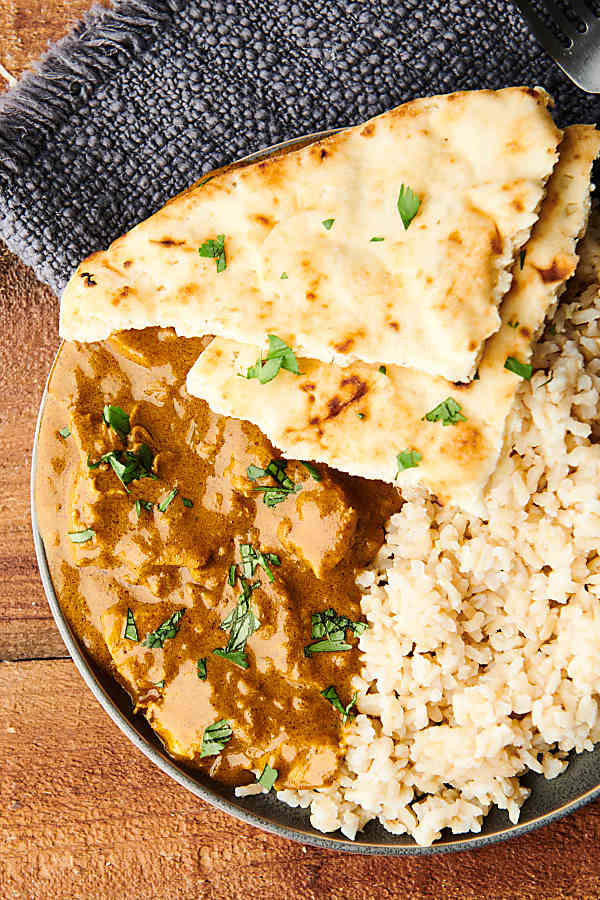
{"type": "Point", "coordinates": [141, 99]}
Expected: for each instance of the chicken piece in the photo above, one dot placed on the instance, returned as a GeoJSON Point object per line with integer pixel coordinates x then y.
{"type": "Point", "coordinates": [261, 717]}
{"type": "Point", "coordinates": [250, 448]}
{"type": "Point", "coordinates": [310, 765]}
{"type": "Point", "coordinates": [277, 645]}
{"type": "Point", "coordinates": [265, 705]}
{"type": "Point", "coordinates": [182, 711]}
{"type": "Point", "coordinates": [319, 526]}
{"type": "Point", "coordinates": [141, 669]}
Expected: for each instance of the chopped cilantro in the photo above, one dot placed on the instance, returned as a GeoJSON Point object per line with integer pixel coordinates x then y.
{"type": "Point", "coordinates": [330, 630]}
{"type": "Point", "coordinates": [240, 623]}
{"type": "Point", "coordinates": [360, 415]}
{"type": "Point", "coordinates": [252, 558]}
{"type": "Point", "coordinates": [215, 737]}
{"type": "Point", "coordinates": [201, 669]}
{"type": "Point", "coordinates": [117, 418]}
{"type": "Point", "coordinates": [448, 412]}
{"type": "Point", "coordinates": [522, 256]}
{"type": "Point", "coordinates": [246, 594]}
{"type": "Point", "coordinates": [476, 376]}
{"type": "Point", "coordinates": [128, 465]}
{"type": "Point", "coordinates": [513, 324]}
{"type": "Point", "coordinates": [160, 684]}
{"type": "Point", "coordinates": [272, 495]}
{"type": "Point", "coordinates": [65, 432]}
{"type": "Point", "coordinates": [142, 504]}
{"type": "Point", "coordinates": [131, 632]}
{"type": "Point", "coordinates": [144, 460]}
{"type": "Point", "coordinates": [273, 559]}
{"type": "Point", "coordinates": [331, 625]}
{"type": "Point", "coordinates": [187, 502]}
{"type": "Point", "coordinates": [326, 647]}
{"type": "Point", "coordinates": [312, 470]}
{"type": "Point", "coordinates": [408, 205]}
{"type": "Point", "coordinates": [279, 356]}
{"type": "Point", "coordinates": [268, 777]}
{"type": "Point", "coordinates": [265, 372]}
{"type": "Point", "coordinates": [276, 469]}
{"type": "Point", "coordinates": [235, 656]}
{"type": "Point", "coordinates": [118, 467]}
{"type": "Point", "coordinates": [383, 370]}
{"type": "Point", "coordinates": [408, 459]}
{"type": "Point", "coordinates": [232, 575]}
{"type": "Point", "coordinates": [80, 537]}
{"type": "Point", "coordinates": [327, 224]}
{"type": "Point", "coordinates": [249, 559]}
{"type": "Point", "coordinates": [375, 240]}
{"type": "Point", "coordinates": [164, 504]}
{"type": "Point", "coordinates": [166, 630]}
{"type": "Point", "coordinates": [284, 276]}
{"type": "Point", "coordinates": [331, 694]}
{"type": "Point", "coordinates": [215, 249]}
{"type": "Point", "coordinates": [285, 486]}
{"type": "Point", "coordinates": [524, 370]}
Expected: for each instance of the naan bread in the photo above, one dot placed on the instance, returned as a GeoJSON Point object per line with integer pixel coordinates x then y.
{"type": "Point", "coordinates": [358, 419]}
{"type": "Point", "coordinates": [424, 296]}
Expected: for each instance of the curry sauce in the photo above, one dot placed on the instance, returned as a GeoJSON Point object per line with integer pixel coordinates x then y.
{"type": "Point", "coordinates": [150, 572]}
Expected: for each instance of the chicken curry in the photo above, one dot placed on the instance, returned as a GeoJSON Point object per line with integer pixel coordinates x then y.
{"type": "Point", "coordinates": [214, 580]}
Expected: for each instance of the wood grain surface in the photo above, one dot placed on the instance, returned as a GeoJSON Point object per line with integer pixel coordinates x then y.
{"type": "Point", "coordinates": [85, 815]}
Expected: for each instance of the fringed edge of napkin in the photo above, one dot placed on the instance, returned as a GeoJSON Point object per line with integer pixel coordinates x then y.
{"type": "Point", "coordinates": [103, 42]}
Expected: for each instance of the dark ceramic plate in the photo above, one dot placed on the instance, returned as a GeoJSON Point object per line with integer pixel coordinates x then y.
{"type": "Point", "coordinates": [549, 799]}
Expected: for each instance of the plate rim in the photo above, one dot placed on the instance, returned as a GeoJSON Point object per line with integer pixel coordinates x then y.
{"type": "Point", "coordinates": [170, 767]}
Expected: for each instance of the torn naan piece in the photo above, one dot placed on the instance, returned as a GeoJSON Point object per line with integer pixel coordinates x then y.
{"type": "Point", "coordinates": [389, 242]}
{"type": "Point", "coordinates": [360, 419]}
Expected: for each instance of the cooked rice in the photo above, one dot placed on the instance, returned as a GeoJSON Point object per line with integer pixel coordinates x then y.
{"type": "Point", "coordinates": [482, 659]}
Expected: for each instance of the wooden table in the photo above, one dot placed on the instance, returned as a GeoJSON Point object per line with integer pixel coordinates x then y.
{"type": "Point", "coordinates": [85, 815]}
